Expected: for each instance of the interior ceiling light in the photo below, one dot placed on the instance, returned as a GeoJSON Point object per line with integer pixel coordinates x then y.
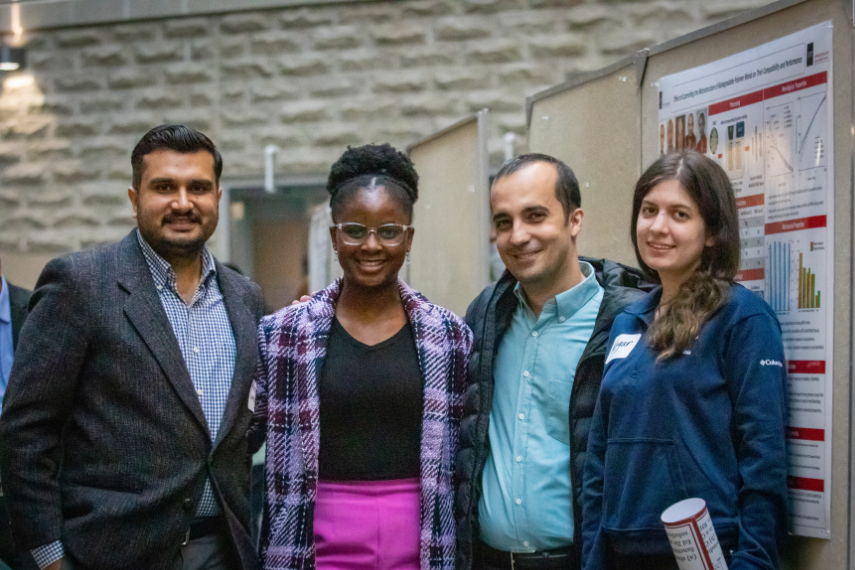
{"type": "Point", "coordinates": [12, 58]}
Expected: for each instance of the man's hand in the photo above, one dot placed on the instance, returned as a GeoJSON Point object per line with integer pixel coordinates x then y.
{"type": "Point", "coordinates": [303, 299]}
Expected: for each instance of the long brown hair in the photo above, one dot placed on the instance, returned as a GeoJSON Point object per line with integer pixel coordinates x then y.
{"type": "Point", "coordinates": [708, 289]}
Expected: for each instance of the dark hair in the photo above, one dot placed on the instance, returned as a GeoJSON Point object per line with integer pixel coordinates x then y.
{"type": "Point", "coordinates": [173, 137]}
{"type": "Point", "coordinates": [566, 185]}
{"type": "Point", "coordinates": [708, 289]}
{"type": "Point", "coordinates": [370, 166]}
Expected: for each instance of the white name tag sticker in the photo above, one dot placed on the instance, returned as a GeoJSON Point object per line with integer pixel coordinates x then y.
{"type": "Point", "coordinates": [250, 403]}
{"type": "Point", "coordinates": [622, 346]}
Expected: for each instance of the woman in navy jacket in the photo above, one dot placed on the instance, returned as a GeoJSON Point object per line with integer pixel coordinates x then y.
{"type": "Point", "coordinates": [693, 400]}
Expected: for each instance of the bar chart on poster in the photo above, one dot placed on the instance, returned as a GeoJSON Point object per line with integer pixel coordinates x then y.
{"type": "Point", "coordinates": [765, 116]}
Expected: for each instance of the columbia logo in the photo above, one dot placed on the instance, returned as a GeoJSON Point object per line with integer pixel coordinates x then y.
{"type": "Point", "coordinates": [771, 363]}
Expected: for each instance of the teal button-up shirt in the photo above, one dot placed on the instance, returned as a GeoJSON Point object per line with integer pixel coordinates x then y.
{"type": "Point", "coordinates": [527, 502]}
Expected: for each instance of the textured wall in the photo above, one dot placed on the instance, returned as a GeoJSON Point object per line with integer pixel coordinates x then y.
{"type": "Point", "coordinates": [310, 80]}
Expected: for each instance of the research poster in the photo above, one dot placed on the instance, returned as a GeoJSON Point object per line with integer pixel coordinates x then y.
{"type": "Point", "coordinates": [766, 116]}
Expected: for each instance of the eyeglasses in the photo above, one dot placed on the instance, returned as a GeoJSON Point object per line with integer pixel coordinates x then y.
{"type": "Point", "coordinates": [387, 234]}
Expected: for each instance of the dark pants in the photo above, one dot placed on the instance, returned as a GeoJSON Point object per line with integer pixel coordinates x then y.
{"type": "Point", "coordinates": [478, 564]}
{"type": "Point", "coordinates": [485, 558]}
{"type": "Point", "coordinates": [662, 562]}
{"type": "Point", "coordinates": [666, 562]}
{"type": "Point", "coordinates": [648, 562]}
{"type": "Point", "coordinates": [210, 552]}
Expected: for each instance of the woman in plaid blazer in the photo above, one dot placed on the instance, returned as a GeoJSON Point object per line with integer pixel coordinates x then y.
{"type": "Point", "coordinates": [364, 351]}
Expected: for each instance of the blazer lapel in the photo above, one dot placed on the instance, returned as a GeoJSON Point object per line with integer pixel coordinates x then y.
{"type": "Point", "coordinates": [244, 328]}
{"type": "Point", "coordinates": [145, 311]}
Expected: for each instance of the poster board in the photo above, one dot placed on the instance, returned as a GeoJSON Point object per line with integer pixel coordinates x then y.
{"type": "Point", "coordinates": [601, 144]}
{"type": "Point", "coordinates": [744, 35]}
{"type": "Point", "coordinates": [769, 111]}
{"type": "Point", "coordinates": [449, 259]}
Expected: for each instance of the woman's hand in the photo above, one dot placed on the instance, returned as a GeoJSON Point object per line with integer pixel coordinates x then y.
{"type": "Point", "coordinates": [303, 299]}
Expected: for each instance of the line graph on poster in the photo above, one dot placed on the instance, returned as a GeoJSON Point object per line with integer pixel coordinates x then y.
{"type": "Point", "coordinates": [811, 129]}
{"type": "Point", "coordinates": [779, 139]}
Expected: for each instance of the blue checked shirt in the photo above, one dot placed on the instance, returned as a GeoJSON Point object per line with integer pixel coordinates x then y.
{"type": "Point", "coordinates": [204, 333]}
{"type": "Point", "coordinates": [6, 350]}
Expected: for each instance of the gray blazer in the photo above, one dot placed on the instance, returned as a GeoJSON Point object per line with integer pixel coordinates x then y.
{"type": "Point", "coordinates": [103, 443]}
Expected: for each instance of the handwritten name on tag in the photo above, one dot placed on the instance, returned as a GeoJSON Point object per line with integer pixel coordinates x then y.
{"type": "Point", "coordinates": [622, 346]}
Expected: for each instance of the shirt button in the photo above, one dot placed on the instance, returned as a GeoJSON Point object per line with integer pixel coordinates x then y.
{"type": "Point", "coordinates": [525, 543]}
{"type": "Point", "coordinates": [188, 504]}
{"type": "Point", "coordinates": [526, 374]}
{"type": "Point", "coordinates": [196, 349]}
{"type": "Point", "coordinates": [200, 392]}
{"type": "Point", "coordinates": [519, 458]}
{"type": "Point", "coordinates": [522, 416]}
{"type": "Point", "coordinates": [519, 501]}
{"type": "Point", "coordinates": [160, 287]}
{"type": "Point", "coordinates": [561, 319]}
{"type": "Point", "coordinates": [534, 333]}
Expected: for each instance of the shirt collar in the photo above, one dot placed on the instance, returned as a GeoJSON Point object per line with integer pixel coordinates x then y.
{"type": "Point", "coordinates": [569, 302]}
{"type": "Point", "coordinates": [161, 270]}
{"type": "Point", "coordinates": [5, 307]}
{"type": "Point", "coordinates": [645, 308]}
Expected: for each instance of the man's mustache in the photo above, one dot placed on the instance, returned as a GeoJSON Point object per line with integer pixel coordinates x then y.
{"type": "Point", "coordinates": [173, 218]}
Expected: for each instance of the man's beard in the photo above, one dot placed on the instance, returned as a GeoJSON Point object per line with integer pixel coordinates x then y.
{"type": "Point", "coordinates": [185, 248]}
{"type": "Point", "coordinates": [178, 249]}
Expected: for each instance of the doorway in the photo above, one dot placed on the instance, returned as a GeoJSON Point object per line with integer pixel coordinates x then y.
{"type": "Point", "coordinates": [268, 236]}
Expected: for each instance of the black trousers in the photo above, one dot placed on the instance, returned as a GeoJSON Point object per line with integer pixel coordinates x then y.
{"type": "Point", "coordinates": [478, 564]}
{"type": "Point", "coordinates": [662, 562]}
{"type": "Point", "coordinates": [207, 553]}
{"type": "Point", "coordinates": [485, 558]}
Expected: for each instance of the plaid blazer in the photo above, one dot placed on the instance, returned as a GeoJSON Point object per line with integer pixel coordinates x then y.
{"type": "Point", "coordinates": [293, 345]}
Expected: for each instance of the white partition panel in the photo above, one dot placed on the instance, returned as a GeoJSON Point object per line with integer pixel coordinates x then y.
{"type": "Point", "coordinates": [450, 254]}
{"type": "Point", "coordinates": [592, 123]}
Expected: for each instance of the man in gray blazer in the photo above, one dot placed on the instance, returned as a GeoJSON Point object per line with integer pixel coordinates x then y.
{"type": "Point", "coordinates": [123, 431]}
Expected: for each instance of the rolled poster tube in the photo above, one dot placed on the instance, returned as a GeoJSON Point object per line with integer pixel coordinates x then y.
{"type": "Point", "coordinates": [692, 536]}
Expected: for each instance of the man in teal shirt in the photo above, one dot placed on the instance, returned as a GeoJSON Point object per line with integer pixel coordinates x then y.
{"type": "Point", "coordinates": [529, 430]}
{"type": "Point", "coordinates": [540, 336]}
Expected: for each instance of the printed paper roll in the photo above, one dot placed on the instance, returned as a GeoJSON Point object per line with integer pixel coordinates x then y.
{"type": "Point", "coordinates": [693, 538]}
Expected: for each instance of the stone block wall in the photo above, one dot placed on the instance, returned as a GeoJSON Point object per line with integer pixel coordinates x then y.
{"type": "Point", "coordinates": [310, 80]}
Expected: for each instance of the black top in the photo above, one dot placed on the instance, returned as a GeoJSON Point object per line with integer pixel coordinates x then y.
{"type": "Point", "coordinates": [370, 408]}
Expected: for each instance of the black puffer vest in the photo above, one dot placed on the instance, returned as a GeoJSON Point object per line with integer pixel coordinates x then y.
{"type": "Point", "coordinates": [489, 316]}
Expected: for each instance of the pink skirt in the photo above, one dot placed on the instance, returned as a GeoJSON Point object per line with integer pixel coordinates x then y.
{"type": "Point", "coordinates": [368, 525]}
